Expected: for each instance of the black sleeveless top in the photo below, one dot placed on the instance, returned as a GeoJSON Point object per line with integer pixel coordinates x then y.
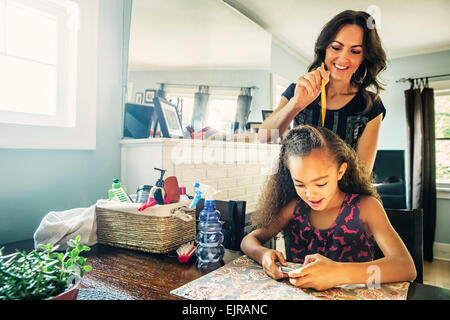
{"type": "Point", "coordinates": [348, 122]}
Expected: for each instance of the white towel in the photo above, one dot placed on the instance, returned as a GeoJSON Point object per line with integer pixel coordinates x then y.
{"type": "Point", "coordinates": [58, 227]}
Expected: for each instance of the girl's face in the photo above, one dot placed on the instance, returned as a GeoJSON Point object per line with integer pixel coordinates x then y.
{"type": "Point", "coordinates": [316, 178]}
{"type": "Point", "coordinates": [345, 53]}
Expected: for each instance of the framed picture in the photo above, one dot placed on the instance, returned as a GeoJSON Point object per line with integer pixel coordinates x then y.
{"type": "Point", "coordinates": [168, 118]}
{"type": "Point", "coordinates": [266, 114]}
{"type": "Point", "coordinates": [149, 95]}
{"type": "Point", "coordinates": [139, 97]}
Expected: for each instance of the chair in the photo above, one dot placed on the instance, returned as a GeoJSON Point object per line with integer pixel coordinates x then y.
{"type": "Point", "coordinates": [409, 226]}
{"type": "Point", "coordinates": [232, 213]}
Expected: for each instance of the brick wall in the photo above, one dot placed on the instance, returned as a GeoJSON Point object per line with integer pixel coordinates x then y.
{"type": "Point", "coordinates": [237, 169]}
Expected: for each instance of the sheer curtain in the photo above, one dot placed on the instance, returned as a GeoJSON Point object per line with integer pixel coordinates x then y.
{"type": "Point", "coordinates": [243, 109]}
{"type": "Point", "coordinates": [421, 163]}
{"type": "Point", "coordinates": [199, 114]}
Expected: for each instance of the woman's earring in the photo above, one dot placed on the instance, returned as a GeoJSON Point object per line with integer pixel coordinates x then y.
{"type": "Point", "coordinates": [360, 81]}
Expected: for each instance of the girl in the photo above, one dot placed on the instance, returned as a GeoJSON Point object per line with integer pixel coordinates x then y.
{"type": "Point", "coordinates": [322, 197]}
{"type": "Point", "coordinates": [353, 56]}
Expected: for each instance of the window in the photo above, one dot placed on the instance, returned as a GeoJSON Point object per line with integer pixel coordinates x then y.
{"type": "Point", "coordinates": [442, 125]}
{"type": "Point", "coordinates": [222, 107]}
{"type": "Point", "coordinates": [37, 60]}
{"type": "Point", "coordinates": [48, 53]}
{"type": "Point", "coordinates": [279, 85]}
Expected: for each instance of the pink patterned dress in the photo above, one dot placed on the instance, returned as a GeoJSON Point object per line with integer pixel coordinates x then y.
{"type": "Point", "coordinates": [345, 240]}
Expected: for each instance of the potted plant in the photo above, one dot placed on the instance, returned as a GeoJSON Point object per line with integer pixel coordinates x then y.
{"type": "Point", "coordinates": [44, 274]}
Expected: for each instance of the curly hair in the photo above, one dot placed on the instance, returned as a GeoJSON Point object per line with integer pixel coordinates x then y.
{"type": "Point", "coordinates": [374, 55]}
{"type": "Point", "coordinates": [279, 189]}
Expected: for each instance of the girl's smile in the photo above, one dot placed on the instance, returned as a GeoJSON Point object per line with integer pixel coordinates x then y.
{"type": "Point", "coordinates": [315, 204]}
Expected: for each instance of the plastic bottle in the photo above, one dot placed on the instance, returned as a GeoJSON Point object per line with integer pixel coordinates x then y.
{"type": "Point", "coordinates": [210, 250]}
{"type": "Point", "coordinates": [118, 192]}
{"type": "Point", "coordinates": [183, 196]}
{"type": "Point", "coordinates": [142, 193]}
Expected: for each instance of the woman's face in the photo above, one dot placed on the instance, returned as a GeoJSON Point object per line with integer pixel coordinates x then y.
{"type": "Point", "coordinates": [345, 53]}
{"type": "Point", "coordinates": [316, 178]}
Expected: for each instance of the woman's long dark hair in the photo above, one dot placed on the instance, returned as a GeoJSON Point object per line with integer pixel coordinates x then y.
{"type": "Point", "coordinates": [374, 56]}
{"type": "Point", "coordinates": [279, 189]}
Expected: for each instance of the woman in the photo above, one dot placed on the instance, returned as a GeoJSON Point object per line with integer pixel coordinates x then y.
{"type": "Point", "coordinates": [353, 56]}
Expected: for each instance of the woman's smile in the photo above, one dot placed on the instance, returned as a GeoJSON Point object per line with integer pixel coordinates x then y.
{"type": "Point", "coordinates": [340, 68]}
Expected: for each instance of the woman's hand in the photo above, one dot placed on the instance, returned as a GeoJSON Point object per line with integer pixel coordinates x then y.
{"type": "Point", "coordinates": [318, 272]}
{"type": "Point", "coordinates": [308, 87]}
{"type": "Point", "coordinates": [270, 267]}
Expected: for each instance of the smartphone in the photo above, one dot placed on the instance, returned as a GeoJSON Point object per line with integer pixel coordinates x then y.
{"type": "Point", "coordinates": [285, 269]}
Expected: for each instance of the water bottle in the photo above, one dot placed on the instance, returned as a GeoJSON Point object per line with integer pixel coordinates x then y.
{"type": "Point", "coordinates": [210, 250]}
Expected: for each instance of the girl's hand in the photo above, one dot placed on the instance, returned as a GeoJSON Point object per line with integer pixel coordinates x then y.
{"type": "Point", "coordinates": [318, 272]}
{"type": "Point", "coordinates": [308, 87]}
{"type": "Point", "coordinates": [270, 267]}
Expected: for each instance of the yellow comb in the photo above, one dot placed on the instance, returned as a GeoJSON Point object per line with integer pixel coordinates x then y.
{"type": "Point", "coordinates": [323, 99]}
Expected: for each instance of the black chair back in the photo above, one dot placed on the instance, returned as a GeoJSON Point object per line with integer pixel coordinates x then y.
{"type": "Point", "coordinates": [232, 214]}
{"type": "Point", "coordinates": [409, 226]}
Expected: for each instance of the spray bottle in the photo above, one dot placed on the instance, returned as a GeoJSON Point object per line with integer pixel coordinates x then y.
{"type": "Point", "coordinates": [117, 192]}
{"type": "Point", "coordinates": [210, 250]}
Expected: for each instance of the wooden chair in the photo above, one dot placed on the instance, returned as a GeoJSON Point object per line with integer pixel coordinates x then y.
{"type": "Point", "coordinates": [232, 214]}
{"type": "Point", "coordinates": [409, 226]}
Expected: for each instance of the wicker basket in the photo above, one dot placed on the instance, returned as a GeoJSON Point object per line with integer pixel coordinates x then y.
{"type": "Point", "coordinates": [145, 231]}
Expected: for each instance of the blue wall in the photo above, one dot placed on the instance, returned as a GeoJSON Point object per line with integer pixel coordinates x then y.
{"type": "Point", "coordinates": [35, 182]}
{"type": "Point", "coordinates": [393, 130]}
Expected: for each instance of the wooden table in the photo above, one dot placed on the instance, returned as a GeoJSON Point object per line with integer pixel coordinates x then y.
{"type": "Point", "coordinates": [150, 276]}
{"type": "Point", "coordinates": [142, 275]}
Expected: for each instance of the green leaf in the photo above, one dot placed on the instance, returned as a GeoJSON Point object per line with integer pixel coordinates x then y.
{"type": "Point", "coordinates": [54, 255]}
{"type": "Point", "coordinates": [74, 253]}
{"type": "Point", "coordinates": [78, 238]}
{"type": "Point", "coordinates": [87, 268]}
{"type": "Point", "coordinates": [46, 246]}
{"type": "Point", "coordinates": [69, 263]}
{"type": "Point", "coordinates": [81, 261]}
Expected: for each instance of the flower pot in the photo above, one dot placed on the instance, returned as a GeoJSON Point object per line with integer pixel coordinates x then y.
{"type": "Point", "coordinates": [72, 292]}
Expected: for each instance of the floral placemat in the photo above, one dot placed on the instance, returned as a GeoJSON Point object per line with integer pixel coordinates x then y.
{"type": "Point", "coordinates": [244, 279]}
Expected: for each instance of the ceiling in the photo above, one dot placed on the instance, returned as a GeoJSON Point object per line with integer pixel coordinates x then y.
{"type": "Point", "coordinates": [406, 27]}
{"type": "Point", "coordinates": [195, 34]}
{"type": "Point", "coordinates": [198, 34]}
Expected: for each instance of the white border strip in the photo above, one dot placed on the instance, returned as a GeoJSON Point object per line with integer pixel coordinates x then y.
{"type": "Point", "coordinates": [441, 251]}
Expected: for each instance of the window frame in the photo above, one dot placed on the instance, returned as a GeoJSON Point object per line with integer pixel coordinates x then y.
{"type": "Point", "coordinates": [442, 88]}
{"type": "Point", "coordinates": [276, 80]}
